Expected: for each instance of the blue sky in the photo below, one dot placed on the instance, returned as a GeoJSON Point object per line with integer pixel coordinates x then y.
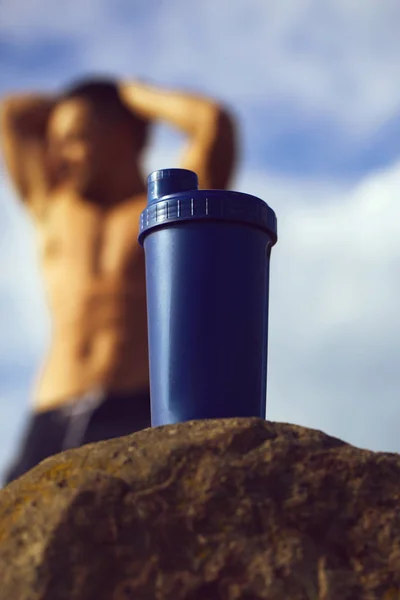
{"type": "Point", "coordinates": [316, 89]}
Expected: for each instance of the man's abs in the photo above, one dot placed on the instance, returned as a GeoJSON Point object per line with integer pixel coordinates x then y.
{"type": "Point", "coordinates": [93, 270]}
{"type": "Point", "coordinates": [104, 346]}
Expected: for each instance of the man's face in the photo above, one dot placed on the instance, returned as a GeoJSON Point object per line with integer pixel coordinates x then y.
{"type": "Point", "coordinates": [77, 146]}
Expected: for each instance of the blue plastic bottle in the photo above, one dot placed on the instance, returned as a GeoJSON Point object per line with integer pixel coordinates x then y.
{"type": "Point", "coordinates": [207, 277]}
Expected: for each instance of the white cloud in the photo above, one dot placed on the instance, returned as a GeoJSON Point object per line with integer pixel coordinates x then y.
{"type": "Point", "coordinates": [335, 324]}
{"type": "Point", "coordinates": [336, 59]}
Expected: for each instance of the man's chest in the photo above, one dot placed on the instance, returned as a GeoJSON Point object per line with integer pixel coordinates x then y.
{"type": "Point", "coordinates": [88, 239]}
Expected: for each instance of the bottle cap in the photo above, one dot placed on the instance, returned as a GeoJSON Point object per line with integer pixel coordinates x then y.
{"type": "Point", "coordinates": [173, 196]}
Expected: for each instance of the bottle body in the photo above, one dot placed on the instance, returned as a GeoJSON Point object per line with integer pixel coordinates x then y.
{"type": "Point", "coordinates": [207, 300]}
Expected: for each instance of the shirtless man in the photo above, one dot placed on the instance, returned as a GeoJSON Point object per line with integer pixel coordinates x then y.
{"type": "Point", "coordinates": [75, 162]}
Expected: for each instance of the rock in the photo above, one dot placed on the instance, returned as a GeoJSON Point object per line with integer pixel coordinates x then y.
{"type": "Point", "coordinates": [229, 509]}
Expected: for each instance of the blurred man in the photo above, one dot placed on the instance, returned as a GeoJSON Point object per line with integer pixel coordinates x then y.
{"type": "Point", "coordinates": [75, 162]}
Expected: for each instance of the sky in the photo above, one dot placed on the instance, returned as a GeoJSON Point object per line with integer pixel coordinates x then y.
{"type": "Point", "coordinates": [315, 88]}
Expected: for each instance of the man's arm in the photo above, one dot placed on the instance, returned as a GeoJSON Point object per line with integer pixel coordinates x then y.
{"type": "Point", "coordinates": [211, 152]}
{"type": "Point", "coordinates": [23, 123]}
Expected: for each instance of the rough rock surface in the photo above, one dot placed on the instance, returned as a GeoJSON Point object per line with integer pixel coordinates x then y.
{"type": "Point", "coordinates": [228, 509]}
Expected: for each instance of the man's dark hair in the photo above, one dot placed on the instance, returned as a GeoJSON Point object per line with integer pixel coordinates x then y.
{"type": "Point", "coordinates": [104, 96]}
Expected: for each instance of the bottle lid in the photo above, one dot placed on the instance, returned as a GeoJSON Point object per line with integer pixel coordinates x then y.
{"type": "Point", "coordinates": [173, 196]}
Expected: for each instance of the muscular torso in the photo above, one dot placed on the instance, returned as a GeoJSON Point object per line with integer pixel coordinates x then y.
{"type": "Point", "coordinates": [94, 275]}
{"type": "Point", "coordinates": [92, 263]}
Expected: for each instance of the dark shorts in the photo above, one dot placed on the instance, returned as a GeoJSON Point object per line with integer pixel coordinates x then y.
{"type": "Point", "coordinates": [96, 417]}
